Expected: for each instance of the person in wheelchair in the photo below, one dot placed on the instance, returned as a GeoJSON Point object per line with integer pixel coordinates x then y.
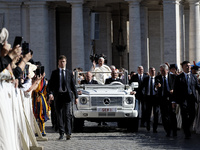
{"type": "Point", "coordinates": [114, 77]}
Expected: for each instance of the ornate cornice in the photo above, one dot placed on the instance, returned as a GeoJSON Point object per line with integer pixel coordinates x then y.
{"type": "Point", "coordinates": [171, 1]}
{"type": "Point", "coordinates": [75, 1]}
{"type": "Point", "coordinates": [193, 1]}
{"type": "Point", "coordinates": [133, 1]}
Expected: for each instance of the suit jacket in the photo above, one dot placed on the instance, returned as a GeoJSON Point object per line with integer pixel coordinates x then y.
{"type": "Point", "coordinates": [171, 81]}
{"type": "Point", "coordinates": [86, 82]}
{"type": "Point", "coordinates": [110, 80]}
{"type": "Point", "coordinates": [135, 78]}
{"type": "Point", "coordinates": [181, 87]}
{"type": "Point", "coordinates": [146, 85]}
{"type": "Point", "coordinates": [69, 82]}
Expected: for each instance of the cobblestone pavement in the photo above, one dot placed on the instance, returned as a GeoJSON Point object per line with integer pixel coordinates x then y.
{"type": "Point", "coordinates": [112, 138]}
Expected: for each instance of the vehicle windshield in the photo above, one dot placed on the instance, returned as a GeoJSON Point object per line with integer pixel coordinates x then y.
{"type": "Point", "coordinates": [100, 78]}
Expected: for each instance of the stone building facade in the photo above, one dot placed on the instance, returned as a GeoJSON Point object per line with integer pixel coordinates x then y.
{"type": "Point", "coordinates": [152, 31]}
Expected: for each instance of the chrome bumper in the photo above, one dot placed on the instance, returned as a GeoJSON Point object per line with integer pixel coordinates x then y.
{"type": "Point", "coordinates": [125, 113]}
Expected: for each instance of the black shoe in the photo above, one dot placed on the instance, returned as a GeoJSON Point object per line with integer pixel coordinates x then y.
{"type": "Point", "coordinates": [174, 134]}
{"type": "Point", "coordinates": [142, 125]}
{"type": "Point", "coordinates": [43, 134]}
{"type": "Point", "coordinates": [104, 123]}
{"type": "Point", "coordinates": [56, 128]}
{"type": "Point", "coordinates": [187, 136]}
{"type": "Point", "coordinates": [99, 124]}
{"type": "Point", "coordinates": [155, 131]}
{"type": "Point", "coordinates": [68, 137]}
{"type": "Point", "coordinates": [61, 136]}
{"type": "Point", "coordinates": [148, 129]}
{"type": "Point", "coordinates": [168, 135]}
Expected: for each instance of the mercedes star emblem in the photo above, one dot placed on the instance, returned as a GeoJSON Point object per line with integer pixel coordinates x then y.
{"type": "Point", "coordinates": [106, 101]}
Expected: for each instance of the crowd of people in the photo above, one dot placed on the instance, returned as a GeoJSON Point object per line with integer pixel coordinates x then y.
{"type": "Point", "coordinates": [25, 94]}
{"type": "Point", "coordinates": [172, 93]}
{"type": "Point", "coordinates": [22, 95]}
{"type": "Point", "coordinates": [159, 94]}
{"type": "Point", "coordinates": [169, 93]}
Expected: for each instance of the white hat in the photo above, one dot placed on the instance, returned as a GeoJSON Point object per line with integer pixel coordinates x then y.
{"type": "Point", "coordinates": [3, 35]}
{"type": "Point", "coordinates": [101, 58]}
{"type": "Point", "coordinates": [32, 68]}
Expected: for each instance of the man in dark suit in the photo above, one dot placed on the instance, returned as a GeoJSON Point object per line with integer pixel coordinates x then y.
{"type": "Point", "coordinates": [89, 79]}
{"type": "Point", "coordinates": [114, 77]}
{"type": "Point", "coordinates": [165, 87]}
{"type": "Point", "coordinates": [139, 77]}
{"type": "Point", "coordinates": [151, 99]}
{"type": "Point", "coordinates": [185, 88]}
{"type": "Point", "coordinates": [61, 87]}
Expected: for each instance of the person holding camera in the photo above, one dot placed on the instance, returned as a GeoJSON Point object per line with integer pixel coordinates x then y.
{"type": "Point", "coordinates": [61, 86]}
{"type": "Point", "coordinates": [7, 53]}
{"type": "Point", "coordinates": [7, 81]}
{"type": "Point", "coordinates": [165, 88]}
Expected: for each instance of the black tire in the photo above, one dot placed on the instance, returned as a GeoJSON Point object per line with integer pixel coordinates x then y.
{"type": "Point", "coordinates": [121, 123]}
{"type": "Point", "coordinates": [132, 125]}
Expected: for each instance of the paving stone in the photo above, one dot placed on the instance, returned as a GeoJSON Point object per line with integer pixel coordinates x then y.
{"type": "Point", "coordinates": [110, 137]}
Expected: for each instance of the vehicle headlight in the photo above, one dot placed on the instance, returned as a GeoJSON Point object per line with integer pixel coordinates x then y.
{"type": "Point", "coordinates": [129, 100]}
{"type": "Point", "coordinates": [83, 100]}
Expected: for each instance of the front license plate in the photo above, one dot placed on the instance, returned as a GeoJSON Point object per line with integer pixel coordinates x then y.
{"type": "Point", "coordinates": [106, 109]}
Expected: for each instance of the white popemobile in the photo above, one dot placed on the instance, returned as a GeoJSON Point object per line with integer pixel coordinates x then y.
{"type": "Point", "coordinates": [111, 102]}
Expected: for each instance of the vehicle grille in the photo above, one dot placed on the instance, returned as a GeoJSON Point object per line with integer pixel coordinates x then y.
{"type": "Point", "coordinates": [99, 101]}
{"type": "Point", "coordinates": [109, 114]}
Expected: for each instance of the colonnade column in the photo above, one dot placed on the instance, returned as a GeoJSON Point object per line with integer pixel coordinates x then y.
{"type": "Point", "coordinates": [144, 38]}
{"type": "Point", "coordinates": [182, 32]}
{"type": "Point", "coordinates": [39, 33]}
{"type": "Point", "coordinates": [13, 20]}
{"type": "Point", "coordinates": [25, 22]}
{"type": "Point", "coordinates": [78, 59]}
{"type": "Point", "coordinates": [194, 31]}
{"type": "Point", "coordinates": [87, 36]}
{"type": "Point", "coordinates": [108, 35]}
{"type": "Point", "coordinates": [171, 17]}
{"type": "Point", "coordinates": [52, 37]}
{"type": "Point", "coordinates": [134, 35]}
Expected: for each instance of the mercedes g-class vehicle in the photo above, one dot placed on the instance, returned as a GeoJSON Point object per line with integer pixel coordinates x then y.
{"type": "Point", "coordinates": [106, 102]}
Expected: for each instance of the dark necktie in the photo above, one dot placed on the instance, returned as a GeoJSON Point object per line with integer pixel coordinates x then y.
{"type": "Point", "coordinates": [140, 79]}
{"type": "Point", "coordinates": [151, 86]}
{"type": "Point", "coordinates": [63, 80]}
{"type": "Point", "coordinates": [188, 83]}
{"type": "Point", "coordinates": [165, 87]}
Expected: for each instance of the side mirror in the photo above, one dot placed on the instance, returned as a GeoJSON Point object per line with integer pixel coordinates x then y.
{"type": "Point", "coordinates": [134, 85]}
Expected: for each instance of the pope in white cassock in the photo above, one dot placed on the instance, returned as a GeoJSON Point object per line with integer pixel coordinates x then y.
{"type": "Point", "coordinates": [100, 67]}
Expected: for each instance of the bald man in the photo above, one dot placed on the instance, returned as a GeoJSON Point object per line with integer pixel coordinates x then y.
{"type": "Point", "coordinates": [114, 77]}
{"type": "Point", "coordinates": [89, 79]}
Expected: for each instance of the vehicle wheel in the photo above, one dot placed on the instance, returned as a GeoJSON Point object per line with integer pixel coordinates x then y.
{"type": "Point", "coordinates": [132, 125]}
{"type": "Point", "coordinates": [121, 124]}
{"type": "Point", "coordinates": [77, 124]}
